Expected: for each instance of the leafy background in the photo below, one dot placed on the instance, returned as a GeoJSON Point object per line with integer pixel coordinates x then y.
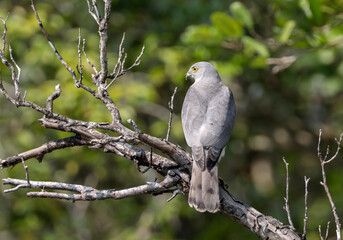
{"type": "Point", "coordinates": [279, 113]}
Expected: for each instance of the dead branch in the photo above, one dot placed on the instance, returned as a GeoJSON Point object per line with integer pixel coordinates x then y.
{"type": "Point", "coordinates": [326, 232]}
{"type": "Point", "coordinates": [58, 55]}
{"type": "Point", "coordinates": [80, 66]}
{"type": "Point", "coordinates": [4, 33]}
{"type": "Point", "coordinates": [306, 207]}
{"type": "Point", "coordinates": [94, 10]}
{"type": "Point", "coordinates": [323, 161]}
{"type": "Point", "coordinates": [15, 75]}
{"type": "Point", "coordinates": [171, 111]}
{"type": "Point", "coordinates": [85, 193]}
{"type": "Point", "coordinates": [119, 69]}
{"type": "Point", "coordinates": [103, 27]}
{"type": "Point", "coordinates": [286, 207]}
{"type": "Point", "coordinates": [88, 61]}
{"type": "Point", "coordinates": [39, 152]}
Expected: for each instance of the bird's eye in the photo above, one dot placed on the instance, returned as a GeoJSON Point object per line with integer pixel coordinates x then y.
{"type": "Point", "coordinates": [194, 69]}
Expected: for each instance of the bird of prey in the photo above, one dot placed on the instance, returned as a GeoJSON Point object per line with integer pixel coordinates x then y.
{"type": "Point", "coordinates": [208, 115]}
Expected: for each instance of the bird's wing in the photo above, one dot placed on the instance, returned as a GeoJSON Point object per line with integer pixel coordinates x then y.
{"type": "Point", "coordinates": [220, 117]}
{"type": "Point", "coordinates": [193, 115]}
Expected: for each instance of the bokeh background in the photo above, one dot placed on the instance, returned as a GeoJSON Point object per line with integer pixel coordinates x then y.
{"type": "Point", "coordinates": [280, 109]}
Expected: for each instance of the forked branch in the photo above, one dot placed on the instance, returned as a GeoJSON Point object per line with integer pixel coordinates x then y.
{"type": "Point", "coordinates": [323, 161]}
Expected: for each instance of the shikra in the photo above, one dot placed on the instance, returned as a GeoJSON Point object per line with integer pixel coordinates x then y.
{"type": "Point", "coordinates": [208, 115]}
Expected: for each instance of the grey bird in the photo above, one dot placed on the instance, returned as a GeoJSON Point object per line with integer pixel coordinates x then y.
{"type": "Point", "coordinates": [208, 115]}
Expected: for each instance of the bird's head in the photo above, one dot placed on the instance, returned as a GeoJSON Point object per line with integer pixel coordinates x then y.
{"type": "Point", "coordinates": [200, 70]}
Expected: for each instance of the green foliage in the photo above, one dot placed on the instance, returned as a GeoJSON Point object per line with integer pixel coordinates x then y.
{"type": "Point", "coordinates": [278, 114]}
{"type": "Point", "coordinates": [226, 25]}
{"type": "Point", "coordinates": [242, 14]}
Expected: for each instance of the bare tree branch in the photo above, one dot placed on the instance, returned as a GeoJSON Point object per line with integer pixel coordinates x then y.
{"type": "Point", "coordinates": [103, 27]}
{"type": "Point", "coordinates": [306, 207]}
{"type": "Point", "coordinates": [171, 111]}
{"type": "Point", "coordinates": [88, 61]}
{"type": "Point", "coordinates": [4, 32]}
{"type": "Point", "coordinates": [286, 207]}
{"type": "Point", "coordinates": [119, 69]}
{"type": "Point", "coordinates": [58, 55]}
{"type": "Point", "coordinates": [326, 232]}
{"type": "Point", "coordinates": [15, 75]}
{"type": "Point", "coordinates": [85, 193]}
{"type": "Point", "coordinates": [39, 152]}
{"type": "Point", "coordinates": [94, 10]}
{"type": "Point", "coordinates": [323, 162]}
{"type": "Point", "coordinates": [80, 66]}
{"type": "Point", "coordinates": [26, 172]}
{"type": "Point", "coordinates": [16, 81]}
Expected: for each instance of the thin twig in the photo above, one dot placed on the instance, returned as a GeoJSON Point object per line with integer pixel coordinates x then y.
{"type": "Point", "coordinates": [16, 79]}
{"type": "Point", "coordinates": [118, 68]}
{"type": "Point", "coordinates": [326, 231]}
{"type": "Point", "coordinates": [58, 55]}
{"type": "Point", "coordinates": [4, 33]}
{"type": "Point", "coordinates": [175, 193]}
{"type": "Point", "coordinates": [94, 10]}
{"type": "Point", "coordinates": [80, 66]}
{"type": "Point", "coordinates": [26, 172]}
{"type": "Point", "coordinates": [115, 75]}
{"type": "Point", "coordinates": [320, 232]}
{"type": "Point", "coordinates": [171, 111]}
{"type": "Point", "coordinates": [306, 207]}
{"type": "Point", "coordinates": [89, 62]}
{"type": "Point", "coordinates": [134, 125]}
{"type": "Point", "coordinates": [286, 207]}
{"type": "Point", "coordinates": [323, 162]}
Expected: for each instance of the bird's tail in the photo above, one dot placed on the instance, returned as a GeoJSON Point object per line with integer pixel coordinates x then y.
{"type": "Point", "coordinates": [204, 190]}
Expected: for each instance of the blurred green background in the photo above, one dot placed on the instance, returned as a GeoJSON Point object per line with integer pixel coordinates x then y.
{"type": "Point", "coordinates": [280, 110]}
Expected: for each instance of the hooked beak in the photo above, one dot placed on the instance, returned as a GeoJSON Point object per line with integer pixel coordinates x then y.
{"type": "Point", "coordinates": [189, 76]}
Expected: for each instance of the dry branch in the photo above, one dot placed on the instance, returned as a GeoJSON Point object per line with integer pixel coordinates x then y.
{"type": "Point", "coordinates": [323, 161]}
{"type": "Point", "coordinates": [171, 111]}
{"type": "Point", "coordinates": [286, 207]}
{"type": "Point", "coordinates": [85, 193]}
{"type": "Point", "coordinates": [306, 207]}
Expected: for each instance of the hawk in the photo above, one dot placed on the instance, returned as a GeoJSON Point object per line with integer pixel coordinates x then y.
{"type": "Point", "coordinates": [208, 115]}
